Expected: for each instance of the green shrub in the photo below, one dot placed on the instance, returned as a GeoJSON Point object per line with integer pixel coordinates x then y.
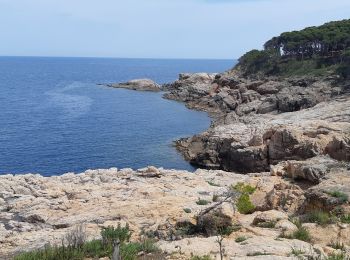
{"type": "Point", "coordinates": [205, 257]}
{"type": "Point", "coordinates": [244, 205]}
{"type": "Point", "coordinates": [202, 202]}
{"type": "Point", "coordinates": [214, 223]}
{"type": "Point", "coordinates": [302, 234]}
{"type": "Point", "coordinates": [130, 251]}
{"type": "Point", "coordinates": [297, 252]}
{"type": "Point", "coordinates": [338, 256]}
{"type": "Point", "coordinates": [245, 189]}
{"type": "Point", "coordinates": [341, 196]}
{"type": "Point", "coordinates": [53, 253]}
{"type": "Point", "coordinates": [149, 246]}
{"type": "Point", "coordinates": [95, 248]}
{"type": "Point", "coordinates": [240, 239]}
{"type": "Point", "coordinates": [112, 234]}
{"type": "Point", "coordinates": [187, 210]}
{"type": "Point", "coordinates": [213, 184]}
{"type": "Point", "coordinates": [318, 217]}
{"type": "Point", "coordinates": [257, 253]}
{"type": "Point", "coordinates": [268, 224]}
{"type": "Point", "coordinates": [216, 198]}
{"type": "Point", "coordinates": [337, 245]}
{"type": "Point", "coordinates": [345, 218]}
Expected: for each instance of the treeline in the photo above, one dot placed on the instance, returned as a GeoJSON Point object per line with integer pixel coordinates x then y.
{"type": "Point", "coordinates": [330, 39]}
{"type": "Point", "coordinates": [313, 48]}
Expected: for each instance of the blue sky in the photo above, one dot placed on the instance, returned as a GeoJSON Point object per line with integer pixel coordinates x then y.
{"type": "Point", "coordinates": [154, 28]}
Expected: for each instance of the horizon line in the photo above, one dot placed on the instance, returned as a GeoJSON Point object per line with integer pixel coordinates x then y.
{"type": "Point", "coordinates": [105, 57]}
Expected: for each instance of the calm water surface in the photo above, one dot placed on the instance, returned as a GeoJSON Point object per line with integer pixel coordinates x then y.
{"type": "Point", "coordinates": [55, 119]}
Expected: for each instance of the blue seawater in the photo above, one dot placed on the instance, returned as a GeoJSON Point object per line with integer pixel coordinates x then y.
{"type": "Point", "coordinates": [54, 118]}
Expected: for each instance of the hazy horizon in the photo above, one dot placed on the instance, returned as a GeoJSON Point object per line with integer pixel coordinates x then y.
{"type": "Point", "coordinates": [156, 29]}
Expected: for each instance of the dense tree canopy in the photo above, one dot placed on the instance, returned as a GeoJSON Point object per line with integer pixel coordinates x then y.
{"type": "Point", "coordinates": [325, 45]}
{"type": "Point", "coordinates": [330, 39]}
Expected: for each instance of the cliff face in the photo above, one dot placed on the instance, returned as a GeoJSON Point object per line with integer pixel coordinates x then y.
{"type": "Point", "coordinates": [261, 123]}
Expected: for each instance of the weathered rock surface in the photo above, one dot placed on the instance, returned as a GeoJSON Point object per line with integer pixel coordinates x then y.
{"type": "Point", "coordinates": [36, 210]}
{"type": "Point", "coordinates": [254, 143]}
{"type": "Point", "coordinates": [138, 84]}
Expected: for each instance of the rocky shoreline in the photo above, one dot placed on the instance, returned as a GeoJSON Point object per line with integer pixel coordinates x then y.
{"type": "Point", "coordinates": [291, 139]}
{"type": "Point", "coordinates": [258, 123]}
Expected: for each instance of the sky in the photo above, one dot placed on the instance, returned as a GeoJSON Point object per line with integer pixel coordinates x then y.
{"type": "Point", "coordinates": [220, 29]}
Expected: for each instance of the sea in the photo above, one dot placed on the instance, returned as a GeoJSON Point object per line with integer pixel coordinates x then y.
{"type": "Point", "coordinates": [56, 118]}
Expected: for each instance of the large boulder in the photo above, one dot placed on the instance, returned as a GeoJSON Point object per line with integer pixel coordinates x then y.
{"type": "Point", "coordinates": [138, 84]}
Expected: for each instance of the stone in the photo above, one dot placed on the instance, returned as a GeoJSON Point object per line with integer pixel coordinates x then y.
{"type": "Point", "coordinates": [138, 84]}
{"type": "Point", "coordinates": [286, 227]}
{"type": "Point", "coordinates": [271, 216]}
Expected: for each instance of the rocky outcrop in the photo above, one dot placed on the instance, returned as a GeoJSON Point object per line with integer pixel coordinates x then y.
{"type": "Point", "coordinates": [228, 92]}
{"type": "Point", "coordinates": [254, 143]}
{"type": "Point", "coordinates": [36, 210]}
{"type": "Point", "coordinates": [138, 84]}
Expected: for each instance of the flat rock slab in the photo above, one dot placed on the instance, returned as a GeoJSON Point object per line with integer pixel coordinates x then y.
{"type": "Point", "coordinates": [138, 84]}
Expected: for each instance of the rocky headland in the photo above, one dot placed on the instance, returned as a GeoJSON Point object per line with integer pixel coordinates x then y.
{"type": "Point", "coordinates": [275, 182]}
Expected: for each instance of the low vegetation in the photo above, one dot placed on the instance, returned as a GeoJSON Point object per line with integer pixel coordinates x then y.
{"type": "Point", "coordinates": [213, 184]}
{"type": "Point", "coordinates": [187, 210]}
{"type": "Point", "coordinates": [345, 218]}
{"type": "Point", "coordinates": [337, 245]}
{"type": "Point", "coordinates": [320, 217]}
{"type": "Point", "coordinates": [202, 202]}
{"type": "Point", "coordinates": [206, 257]}
{"type": "Point", "coordinates": [341, 196]}
{"type": "Point", "coordinates": [75, 247]}
{"type": "Point", "coordinates": [296, 252]}
{"type": "Point", "coordinates": [268, 224]}
{"type": "Point", "coordinates": [301, 233]}
{"type": "Point", "coordinates": [241, 239]}
{"type": "Point", "coordinates": [244, 204]}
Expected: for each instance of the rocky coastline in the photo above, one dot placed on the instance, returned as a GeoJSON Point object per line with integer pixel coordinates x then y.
{"type": "Point", "coordinates": [288, 138]}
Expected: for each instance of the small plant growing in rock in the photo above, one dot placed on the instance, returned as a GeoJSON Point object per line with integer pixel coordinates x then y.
{"type": "Point", "coordinates": [338, 256]}
{"type": "Point", "coordinates": [111, 234]}
{"type": "Point", "coordinates": [216, 198]}
{"type": "Point", "coordinates": [244, 188]}
{"type": "Point", "coordinates": [76, 237]}
{"type": "Point", "coordinates": [337, 245]}
{"type": "Point", "coordinates": [341, 196]}
{"type": "Point", "coordinates": [268, 224]}
{"type": "Point", "coordinates": [257, 253]}
{"type": "Point", "coordinates": [243, 204]}
{"type": "Point", "coordinates": [319, 217]}
{"type": "Point", "coordinates": [213, 184]}
{"type": "Point", "coordinates": [202, 202]}
{"type": "Point", "coordinates": [302, 234]}
{"type": "Point", "coordinates": [297, 252]}
{"type": "Point", "coordinates": [345, 218]}
{"type": "Point", "coordinates": [240, 239]}
{"type": "Point", "coordinates": [187, 210]}
{"type": "Point", "coordinates": [205, 257]}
